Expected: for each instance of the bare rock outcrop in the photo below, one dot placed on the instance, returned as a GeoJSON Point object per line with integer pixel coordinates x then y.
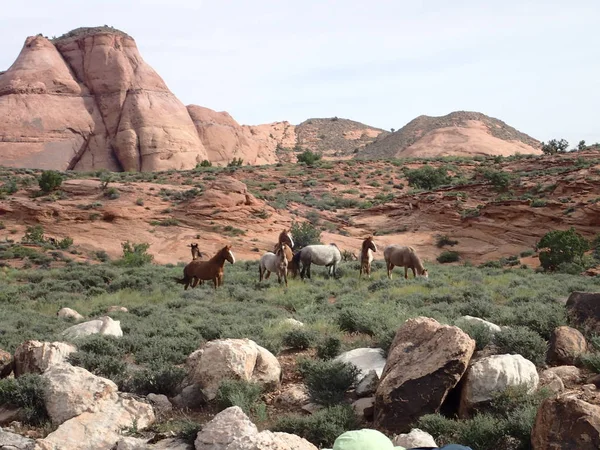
{"type": "Point", "coordinates": [37, 357]}
{"type": "Point", "coordinates": [426, 360]}
{"type": "Point", "coordinates": [568, 422]}
{"type": "Point", "coordinates": [565, 346]}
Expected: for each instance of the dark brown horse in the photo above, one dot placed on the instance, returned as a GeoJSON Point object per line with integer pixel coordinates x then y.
{"type": "Point", "coordinates": [366, 256]}
{"type": "Point", "coordinates": [212, 269]}
{"type": "Point", "coordinates": [196, 253]}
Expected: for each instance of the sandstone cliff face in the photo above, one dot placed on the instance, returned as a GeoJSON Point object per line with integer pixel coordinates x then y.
{"type": "Point", "coordinates": [89, 101]}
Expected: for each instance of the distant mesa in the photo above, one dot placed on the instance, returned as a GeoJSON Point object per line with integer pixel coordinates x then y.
{"type": "Point", "coordinates": [87, 101]}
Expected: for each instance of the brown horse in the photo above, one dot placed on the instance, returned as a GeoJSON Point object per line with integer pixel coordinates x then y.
{"type": "Point", "coordinates": [366, 256]}
{"type": "Point", "coordinates": [196, 253]}
{"type": "Point", "coordinates": [398, 255]}
{"type": "Point", "coordinates": [207, 270]}
{"type": "Point", "coordinates": [285, 237]}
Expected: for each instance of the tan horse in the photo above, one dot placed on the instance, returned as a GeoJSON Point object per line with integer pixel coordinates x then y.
{"type": "Point", "coordinates": [274, 262]}
{"type": "Point", "coordinates": [207, 270]}
{"type": "Point", "coordinates": [398, 255]}
{"type": "Point", "coordinates": [285, 237]}
{"type": "Point", "coordinates": [366, 256]}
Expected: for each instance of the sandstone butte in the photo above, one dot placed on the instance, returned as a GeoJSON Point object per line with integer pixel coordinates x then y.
{"type": "Point", "coordinates": [88, 101]}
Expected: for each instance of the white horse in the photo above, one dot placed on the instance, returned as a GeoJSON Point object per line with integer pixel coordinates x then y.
{"type": "Point", "coordinates": [274, 262]}
{"type": "Point", "coordinates": [398, 255]}
{"type": "Point", "coordinates": [321, 255]}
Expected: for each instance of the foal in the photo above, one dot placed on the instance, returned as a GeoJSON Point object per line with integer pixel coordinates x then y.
{"type": "Point", "coordinates": [274, 262]}
{"type": "Point", "coordinates": [366, 256]}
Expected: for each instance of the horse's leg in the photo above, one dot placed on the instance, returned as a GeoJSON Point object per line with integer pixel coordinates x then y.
{"type": "Point", "coordinates": [303, 271]}
{"type": "Point", "coordinates": [390, 267]}
{"type": "Point", "coordinates": [195, 282]}
{"type": "Point", "coordinates": [268, 274]}
{"type": "Point", "coordinates": [216, 282]}
{"type": "Point", "coordinates": [405, 272]}
{"type": "Point", "coordinates": [285, 277]}
{"type": "Point", "coordinates": [308, 271]}
{"type": "Point", "coordinates": [413, 271]}
{"type": "Point", "coordinates": [369, 270]}
{"type": "Point", "coordinates": [260, 273]}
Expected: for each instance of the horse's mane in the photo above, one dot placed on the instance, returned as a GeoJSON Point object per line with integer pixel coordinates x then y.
{"type": "Point", "coordinates": [219, 254]}
{"type": "Point", "coordinates": [366, 242]}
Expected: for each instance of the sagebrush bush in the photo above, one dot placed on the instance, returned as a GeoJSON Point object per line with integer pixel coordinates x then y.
{"type": "Point", "coordinates": [156, 379]}
{"type": "Point", "coordinates": [327, 381]}
{"type": "Point", "coordinates": [321, 428]}
{"type": "Point", "coordinates": [329, 347]}
{"type": "Point", "coordinates": [50, 180]}
{"type": "Point", "coordinates": [243, 394]}
{"type": "Point", "coordinates": [27, 393]}
{"type": "Point", "coordinates": [107, 366]}
{"type": "Point", "coordinates": [299, 338]}
{"type": "Point", "coordinates": [448, 257]}
{"type": "Point", "coordinates": [591, 361]}
{"type": "Point", "coordinates": [356, 321]}
{"type": "Point", "coordinates": [522, 341]}
{"type": "Point", "coordinates": [478, 332]}
{"type": "Point", "coordinates": [135, 255]}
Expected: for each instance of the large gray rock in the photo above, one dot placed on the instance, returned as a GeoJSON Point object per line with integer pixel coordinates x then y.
{"type": "Point", "coordinates": [492, 375]}
{"type": "Point", "coordinates": [238, 359]}
{"type": "Point", "coordinates": [365, 360]}
{"type": "Point", "coordinates": [36, 357]}
{"type": "Point", "coordinates": [583, 309]}
{"type": "Point", "coordinates": [12, 441]}
{"type": "Point", "coordinates": [416, 438]}
{"type": "Point", "coordinates": [227, 426]}
{"type": "Point", "coordinates": [103, 325]}
{"type": "Point", "coordinates": [368, 385]}
{"type": "Point", "coordinates": [426, 360]}
{"type": "Point", "coordinates": [131, 443]}
{"type": "Point", "coordinates": [565, 346]}
{"type": "Point", "coordinates": [68, 313]}
{"type": "Point", "coordinates": [492, 327]}
{"type": "Point", "coordinates": [571, 376]}
{"type": "Point", "coordinates": [267, 440]}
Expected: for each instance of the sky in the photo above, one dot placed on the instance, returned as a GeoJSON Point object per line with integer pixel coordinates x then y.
{"type": "Point", "coordinates": [535, 64]}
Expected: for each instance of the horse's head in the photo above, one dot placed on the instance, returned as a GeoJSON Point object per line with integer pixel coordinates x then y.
{"type": "Point", "coordinates": [196, 253]}
{"type": "Point", "coordinates": [368, 243]}
{"type": "Point", "coordinates": [424, 273]}
{"type": "Point", "coordinates": [228, 254]}
{"type": "Point", "coordinates": [286, 237]}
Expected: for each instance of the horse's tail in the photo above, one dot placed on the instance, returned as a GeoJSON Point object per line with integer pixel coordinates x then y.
{"type": "Point", "coordinates": [180, 280]}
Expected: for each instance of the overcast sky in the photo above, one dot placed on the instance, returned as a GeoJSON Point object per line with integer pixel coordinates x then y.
{"type": "Point", "coordinates": [533, 64]}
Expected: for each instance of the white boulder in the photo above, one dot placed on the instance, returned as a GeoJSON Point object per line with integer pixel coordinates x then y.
{"type": "Point", "coordinates": [103, 325]}
{"type": "Point", "coordinates": [68, 313]}
{"type": "Point", "coordinates": [492, 327]}
{"type": "Point", "coordinates": [365, 360]}
{"type": "Point", "coordinates": [416, 438]}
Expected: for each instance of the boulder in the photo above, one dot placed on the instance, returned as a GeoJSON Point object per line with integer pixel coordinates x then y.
{"type": "Point", "coordinates": [416, 438]}
{"type": "Point", "coordinates": [6, 364]}
{"type": "Point", "coordinates": [160, 403]}
{"type": "Point", "coordinates": [368, 385]}
{"type": "Point", "coordinates": [493, 375]}
{"type": "Point", "coordinates": [571, 376]}
{"type": "Point", "coordinates": [568, 421]}
{"type": "Point", "coordinates": [365, 360]}
{"type": "Point", "coordinates": [238, 359]}
{"type": "Point", "coordinates": [13, 441]}
{"type": "Point", "coordinates": [583, 309]}
{"type": "Point", "coordinates": [565, 346]}
{"type": "Point", "coordinates": [103, 325]}
{"type": "Point", "coordinates": [73, 390]}
{"type": "Point", "coordinates": [99, 430]}
{"type": "Point", "coordinates": [551, 381]}
{"type": "Point", "coordinates": [492, 327]}
{"type": "Point", "coordinates": [268, 440]}
{"type": "Point", "coordinates": [426, 360]}
{"type": "Point", "coordinates": [227, 426]}
{"type": "Point", "coordinates": [116, 309]}
{"type": "Point", "coordinates": [292, 322]}
{"type": "Point", "coordinates": [294, 395]}
{"type": "Point", "coordinates": [131, 443]}
{"type": "Point", "coordinates": [68, 313]}
{"type": "Point", "coordinates": [364, 408]}
{"type": "Point", "coordinates": [36, 357]}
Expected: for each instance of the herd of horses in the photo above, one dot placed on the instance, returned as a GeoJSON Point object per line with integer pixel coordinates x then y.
{"type": "Point", "coordinates": [283, 261]}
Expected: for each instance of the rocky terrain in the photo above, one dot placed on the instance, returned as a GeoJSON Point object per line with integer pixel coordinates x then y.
{"type": "Point", "coordinates": [87, 101]}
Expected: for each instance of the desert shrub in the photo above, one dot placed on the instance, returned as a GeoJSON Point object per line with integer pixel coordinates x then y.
{"type": "Point", "coordinates": [356, 321]}
{"type": "Point", "coordinates": [329, 347]}
{"type": "Point", "coordinates": [26, 392]}
{"type": "Point", "coordinates": [571, 268]}
{"type": "Point", "coordinates": [448, 257]}
{"type": "Point", "coordinates": [50, 180]}
{"type": "Point", "coordinates": [322, 428]}
{"type": "Point", "coordinates": [427, 177]}
{"type": "Point", "coordinates": [522, 341]}
{"type": "Point", "coordinates": [65, 243]}
{"type": "Point", "coordinates": [112, 193]}
{"type": "Point", "coordinates": [499, 179]}
{"type": "Point", "coordinates": [554, 146]}
{"type": "Point", "coordinates": [591, 361]}
{"type": "Point", "coordinates": [159, 378]}
{"type": "Point", "coordinates": [204, 163]}
{"type": "Point", "coordinates": [305, 234]}
{"type": "Point", "coordinates": [243, 394]}
{"type": "Point", "coordinates": [99, 364]}
{"type": "Point", "coordinates": [308, 157]}
{"type": "Point", "coordinates": [541, 317]}
{"type": "Point", "coordinates": [478, 332]}
{"type": "Point", "coordinates": [101, 255]}
{"type": "Point", "coordinates": [328, 381]}
{"type": "Point", "coordinates": [443, 240]}
{"type": "Point", "coordinates": [299, 338]}
{"type": "Point", "coordinates": [558, 247]}
{"type": "Point", "coordinates": [135, 255]}
{"type": "Point", "coordinates": [139, 201]}
{"type": "Point", "coordinates": [34, 235]}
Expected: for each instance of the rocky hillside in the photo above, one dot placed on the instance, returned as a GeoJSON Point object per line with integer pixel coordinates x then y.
{"type": "Point", "coordinates": [460, 133]}
{"type": "Point", "coordinates": [336, 138]}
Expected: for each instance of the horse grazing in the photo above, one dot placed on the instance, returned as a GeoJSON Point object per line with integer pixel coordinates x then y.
{"type": "Point", "coordinates": [212, 269]}
{"type": "Point", "coordinates": [321, 255]}
{"type": "Point", "coordinates": [398, 255]}
{"type": "Point", "coordinates": [366, 256]}
{"type": "Point", "coordinates": [274, 262]}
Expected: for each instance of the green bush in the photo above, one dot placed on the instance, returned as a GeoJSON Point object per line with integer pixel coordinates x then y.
{"type": "Point", "coordinates": [554, 146]}
{"type": "Point", "coordinates": [135, 255]}
{"type": "Point", "coordinates": [26, 392]}
{"type": "Point", "coordinates": [478, 332]}
{"type": "Point", "coordinates": [50, 180]}
{"type": "Point", "coordinates": [159, 378]}
{"type": "Point", "coordinates": [522, 341]}
{"type": "Point", "coordinates": [204, 163]}
{"type": "Point", "coordinates": [448, 257]}
{"type": "Point", "coordinates": [558, 247]}
{"type": "Point", "coordinates": [243, 394]}
{"type": "Point", "coordinates": [322, 428]}
{"type": "Point", "coordinates": [65, 243]}
{"type": "Point", "coordinates": [427, 177]}
{"type": "Point", "coordinates": [354, 320]}
{"type": "Point", "coordinates": [305, 234]}
{"type": "Point", "coordinates": [443, 240]}
{"type": "Point", "coordinates": [112, 193]}
{"type": "Point", "coordinates": [235, 162]}
{"type": "Point", "coordinates": [329, 347]}
{"type": "Point", "coordinates": [327, 381]}
{"type": "Point", "coordinates": [308, 157]}
{"type": "Point", "coordinates": [34, 235]}
{"type": "Point", "coordinates": [591, 361]}
{"type": "Point", "coordinates": [499, 179]}
{"type": "Point", "coordinates": [299, 338]}
{"type": "Point", "coordinates": [107, 366]}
